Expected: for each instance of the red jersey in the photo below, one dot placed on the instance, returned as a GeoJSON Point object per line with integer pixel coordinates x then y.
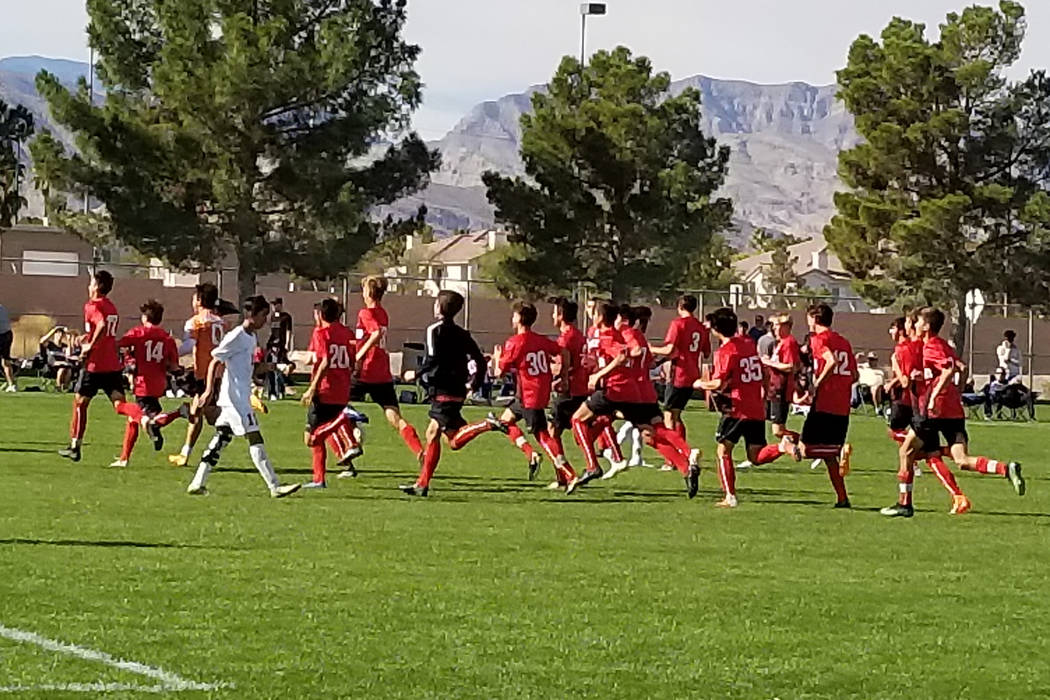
{"type": "Point", "coordinates": [908, 355]}
{"type": "Point", "coordinates": [620, 384]}
{"type": "Point", "coordinates": [642, 365]}
{"type": "Point", "coordinates": [835, 391]}
{"type": "Point", "coordinates": [691, 341]}
{"type": "Point", "coordinates": [938, 356]}
{"type": "Point", "coordinates": [531, 356]}
{"type": "Point", "coordinates": [154, 352]}
{"type": "Point", "coordinates": [740, 370]}
{"type": "Point", "coordinates": [786, 352]}
{"type": "Point", "coordinates": [572, 339]}
{"type": "Point", "coordinates": [101, 313]}
{"type": "Point", "coordinates": [375, 366]}
{"type": "Point", "coordinates": [336, 343]}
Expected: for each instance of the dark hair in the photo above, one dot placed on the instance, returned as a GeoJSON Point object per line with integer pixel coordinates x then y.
{"type": "Point", "coordinates": [608, 312]}
{"type": "Point", "coordinates": [644, 314]}
{"type": "Point", "coordinates": [1010, 335]}
{"type": "Point", "coordinates": [687, 302]}
{"type": "Point", "coordinates": [743, 324]}
{"type": "Point", "coordinates": [374, 286]}
{"type": "Point", "coordinates": [331, 310]}
{"type": "Point", "coordinates": [627, 313]}
{"type": "Point", "coordinates": [822, 313]}
{"type": "Point", "coordinates": [526, 313]}
{"type": "Point", "coordinates": [153, 310]}
{"type": "Point", "coordinates": [569, 309]}
{"type": "Point", "coordinates": [449, 303]}
{"type": "Point", "coordinates": [104, 282]}
{"type": "Point", "coordinates": [898, 324]}
{"type": "Point", "coordinates": [710, 318]}
{"type": "Point", "coordinates": [934, 317]}
{"type": "Point", "coordinates": [254, 306]}
{"type": "Point", "coordinates": [278, 300]}
{"type": "Point", "coordinates": [207, 295]}
{"type": "Point", "coordinates": [724, 321]}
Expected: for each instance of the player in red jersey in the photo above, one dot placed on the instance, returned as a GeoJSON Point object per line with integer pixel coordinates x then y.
{"type": "Point", "coordinates": [102, 367]}
{"type": "Point", "coordinates": [373, 378]}
{"type": "Point", "coordinates": [827, 424]}
{"type": "Point", "coordinates": [571, 392]}
{"type": "Point", "coordinates": [781, 370]}
{"type": "Point", "coordinates": [155, 354]}
{"type": "Point", "coordinates": [686, 344]}
{"type": "Point", "coordinates": [531, 356]}
{"type": "Point", "coordinates": [328, 419]}
{"type": "Point", "coordinates": [608, 445]}
{"type": "Point", "coordinates": [942, 414]}
{"type": "Point", "coordinates": [739, 382]}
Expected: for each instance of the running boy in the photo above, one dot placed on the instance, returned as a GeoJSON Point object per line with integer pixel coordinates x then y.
{"type": "Point", "coordinates": [202, 333]}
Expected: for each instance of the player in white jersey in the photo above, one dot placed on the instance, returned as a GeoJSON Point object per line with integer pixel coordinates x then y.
{"type": "Point", "coordinates": [236, 415]}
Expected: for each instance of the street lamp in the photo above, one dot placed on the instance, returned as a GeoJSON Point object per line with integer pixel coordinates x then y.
{"type": "Point", "coordinates": [586, 9]}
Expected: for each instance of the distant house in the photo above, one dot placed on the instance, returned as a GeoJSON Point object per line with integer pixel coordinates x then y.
{"type": "Point", "coordinates": [448, 263]}
{"type": "Point", "coordinates": [43, 251]}
{"type": "Point", "coordinates": [815, 266]}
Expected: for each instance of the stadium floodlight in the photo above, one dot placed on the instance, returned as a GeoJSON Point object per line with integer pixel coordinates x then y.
{"type": "Point", "coordinates": [587, 9]}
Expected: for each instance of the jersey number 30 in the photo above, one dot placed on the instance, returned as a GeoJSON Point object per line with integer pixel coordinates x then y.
{"type": "Point", "coordinates": [538, 364]}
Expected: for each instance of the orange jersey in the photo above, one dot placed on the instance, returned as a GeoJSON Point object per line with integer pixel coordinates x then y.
{"type": "Point", "coordinates": [205, 331]}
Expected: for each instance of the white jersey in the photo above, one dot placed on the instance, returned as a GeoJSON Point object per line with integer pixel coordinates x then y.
{"type": "Point", "coordinates": [236, 351]}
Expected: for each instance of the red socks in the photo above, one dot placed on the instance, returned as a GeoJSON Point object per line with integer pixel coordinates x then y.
{"type": "Point", "coordinates": [78, 424]}
{"type": "Point", "coordinates": [944, 474]}
{"type": "Point", "coordinates": [131, 410]}
{"type": "Point", "coordinates": [727, 475]}
{"type": "Point", "coordinates": [411, 438]}
{"type": "Point", "coordinates": [607, 437]}
{"type": "Point", "coordinates": [658, 441]}
{"type": "Point", "coordinates": [431, 456]}
{"type": "Point", "coordinates": [320, 455]}
{"type": "Point", "coordinates": [131, 434]}
{"type": "Point", "coordinates": [582, 432]}
{"type": "Point", "coordinates": [554, 450]}
{"type": "Point", "coordinates": [462, 437]}
{"type": "Point", "coordinates": [837, 482]}
{"type": "Point", "coordinates": [987, 466]}
{"type": "Point", "coordinates": [769, 453]}
{"type": "Point", "coordinates": [517, 438]}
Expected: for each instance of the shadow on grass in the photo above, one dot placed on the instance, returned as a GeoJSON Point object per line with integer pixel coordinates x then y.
{"type": "Point", "coordinates": [106, 544]}
{"type": "Point", "coordinates": [37, 450]}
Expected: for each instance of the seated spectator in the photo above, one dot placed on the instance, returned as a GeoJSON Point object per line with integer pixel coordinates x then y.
{"type": "Point", "coordinates": [1009, 355]}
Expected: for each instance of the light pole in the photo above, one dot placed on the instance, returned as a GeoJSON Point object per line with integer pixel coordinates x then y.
{"type": "Point", "coordinates": [587, 9]}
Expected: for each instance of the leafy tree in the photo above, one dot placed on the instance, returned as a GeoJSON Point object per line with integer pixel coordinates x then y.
{"type": "Point", "coordinates": [246, 127]}
{"type": "Point", "coordinates": [389, 250]}
{"type": "Point", "coordinates": [710, 268]}
{"type": "Point", "coordinates": [620, 182]}
{"type": "Point", "coordinates": [949, 190]}
{"type": "Point", "coordinates": [16, 126]}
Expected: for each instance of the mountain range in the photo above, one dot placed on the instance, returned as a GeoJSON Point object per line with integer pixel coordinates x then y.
{"type": "Point", "coordinates": [784, 140]}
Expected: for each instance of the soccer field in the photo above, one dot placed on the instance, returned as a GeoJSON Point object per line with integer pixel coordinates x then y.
{"type": "Point", "coordinates": [495, 587]}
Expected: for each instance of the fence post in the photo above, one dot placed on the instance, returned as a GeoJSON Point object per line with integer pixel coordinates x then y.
{"type": "Point", "coordinates": [346, 292]}
{"type": "Point", "coordinates": [1031, 346]}
{"type": "Point", "coordinates": [466, 304]}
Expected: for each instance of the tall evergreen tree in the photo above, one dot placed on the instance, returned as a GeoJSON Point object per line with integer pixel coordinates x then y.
{"type": "Point", "coordinates": [620, 182]}
{"type": "Point", "coordinates": [16, 126]}
{"type": "Point", "coordinates": [949, 191]}
{"type": "Point", "coordinates": [259, 128]}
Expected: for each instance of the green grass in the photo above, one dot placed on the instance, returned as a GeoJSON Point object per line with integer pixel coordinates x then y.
{"type": "Point", "coordinates": [495, 587]}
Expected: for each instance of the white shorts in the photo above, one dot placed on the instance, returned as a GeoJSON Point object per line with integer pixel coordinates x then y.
{"type": "Point", "coordinates": [241, 420]}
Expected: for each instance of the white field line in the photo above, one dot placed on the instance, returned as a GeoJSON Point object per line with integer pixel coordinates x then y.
{"type": "Point", "coordinates": [86, 688]}
{"type": "Point", "coordinates": [169, 681]}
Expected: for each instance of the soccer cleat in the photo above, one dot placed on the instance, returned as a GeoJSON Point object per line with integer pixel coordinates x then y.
{"type": "Point", "coordinates": [194, 490]}
{"type": "Point", "coordinates": [556, 486]}
{"type": "Point", "coordinates": [791, 447]}
{"type": "Point", "coordinates": [153, 431]}
{"type": "Point", "coordinates": [496, 424]}
{"type": "Point", "coordinates": [960, 504]}
{"type": "Point", "coordinates": [348, 460]}
{"type": "Point", "coordinates": [583, 480]}
{"type": "Point", "coordinates": [692, 481]}
{"type": "Point", "coordinates": [349, 473]}
{"type": "Point", "coordinates": [355, 415]}
{"type": "Point", "coordinates": [178, 460]}
{"type": "Point", "coordinates": [898, 510]}
{"type": "Point", "coordinates": [315, 485]}
{"type": "Point", "coordinates": [844, 459]}
{"type": "Point", "coordinates": [694, 457]}
{"type": "Point", "coordinates": [727, 502]}
{"type": "Point", "coordinates": [613, 470]}
{"type": "Point", "coordinates": [119, 464]}
{"type": "Point", "coordinates": [285, 490]}
{"type": "Point", "coordinates": [667, 467]}
{"type": "Point", "coordinates": [843, 504]}
{"type": "Point", "coordinates": [1013, 473]}
{"type": "Point", "coordinates": [414, 490]}
{"type": "Point", "coordinates": [258, 405]}
{"type": "Point", "coordinates": [11, 389]}
{"type": "Point", "coordinates": [71, 453]}
{"type": "Point", "coordinates": [744, 466]}
{"type": "Point", "coordinates": [534, 466]}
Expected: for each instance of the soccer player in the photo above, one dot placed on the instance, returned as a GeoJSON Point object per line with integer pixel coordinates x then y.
{"type": "Point", "coordinates": [202, 333]}
{"type": "Point", "coordinates": [738, 378]}
{"type": "Point", "coordinates": [155, 354]}
{"type": "Point", "coordinates": [102, 367]}
{"type": "Point", "coordinates": [233, 358]}
{"type": "Point", "coordinates": [827, 424]}
{"type": "Point", "coordinates": [446, 377]}
{"type": "Point", "coordinates": [603, 425]}
{"type": "Point", "coordinates": [573, 392]}
{"type": "Point", "coordinates": [782, 368]}
{"type": "Point", "coordinates": [531, 356]}
{"type": "Point", "coordinates": [687, 343]}
{"type": "Point", "coordinates": [373, 377]}
{"type": "Point", "coordinates": [942, 414]}
{"type": "Point", "coordinates": [329, 391]}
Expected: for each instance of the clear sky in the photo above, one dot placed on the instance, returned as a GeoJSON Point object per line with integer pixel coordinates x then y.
{"type": "Point", "coordinates": [475, 50]}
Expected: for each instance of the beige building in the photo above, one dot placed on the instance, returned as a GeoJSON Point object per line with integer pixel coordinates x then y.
{"type": "Point", "coordinates": [448, 263]}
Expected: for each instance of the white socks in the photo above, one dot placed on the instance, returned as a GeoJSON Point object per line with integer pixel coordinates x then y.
{"type": "Point", "coordinates": [628, 431]}
{"type": "Point", "coordinates": [262, 463]}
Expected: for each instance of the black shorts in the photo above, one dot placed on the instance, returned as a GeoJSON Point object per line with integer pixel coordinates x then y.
{"type": "Point", "coordinates": [602, 406]}
{"type": "Point", "coordinates": [777, 410]}
{"type": "Point", "coordinates": [642, 413]}
{"type": "Point", "coordinates": [6, 339]}
{"type": "Point", "coordinates": [448, 414]}
{"type": "Point", "coordinates": [383, 395]}
{"type": "Point", "coordinates": [564, 409]}
{"type": "Point", "coordinates": [534, 418]}
{"type": "Point", "coordinates": [320, 413]}
{"type": "Point", "coordinates": [753, 432]}
{"type": "Point", "coordinates": [825, 429]}
{"type": "Point", "coordinates": [901, 416]}
{"type": "Point", "coordinates": [676, 398]}
{"type": "Point", "coordinates": [109, 383]}
{"type": "Point", "coordinates": [930, 431]}
{"type": "Point", "coordinates": [150, 405]}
